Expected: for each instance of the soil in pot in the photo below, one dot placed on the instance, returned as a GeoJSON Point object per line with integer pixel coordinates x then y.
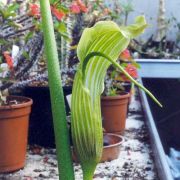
{"type": "Point", "coordinates": [167, 119]}
{"type": "Point", "coordinates": [14, 120]}
{"type": "Point", "coordinates": [111, 149]}
{"type": "Point", "coordinates": [114, 112]}
{"type": "Point", "coordinates": [41, 123]}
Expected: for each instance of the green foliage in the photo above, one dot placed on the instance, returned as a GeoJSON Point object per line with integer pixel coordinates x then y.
{"type": "Point", "coordinates": [113, 92]}
{"type": "Point", "coordinates": [1, 69]}
{"type": "Point", "coordinates": [61, 28]}
{"type": "Point", "coordinates": [8, 11]}
{"type": "Point", "coordinates": [127, 7]}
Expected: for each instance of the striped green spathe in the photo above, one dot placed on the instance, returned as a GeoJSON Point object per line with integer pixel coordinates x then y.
{"type": "Point", "coordinates": [109, 40]}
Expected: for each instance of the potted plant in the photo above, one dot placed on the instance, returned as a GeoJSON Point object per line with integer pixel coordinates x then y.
{"type": "Point", "coordinates": [117, 95]}
{"type": "Point", "coordinates": [14, 110]}
{"type": "Point", "coordinates": [14, 121]}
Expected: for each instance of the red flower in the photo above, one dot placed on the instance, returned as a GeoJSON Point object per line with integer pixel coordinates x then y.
{"type": "Point", "coordinates": [75, 8]}
{"type": "Point", "coordinates": [82, 6]}
{"type": "Point", "coordinates": [34, 10]}
{"type": "Point", "coordinates": [131, 70]}
{"type": "Point", "coordinates": [125, 55]}
{"type": "Point", "coordinates": [8, 59]}
{"type": "Point", "coordinates": [58, 13]}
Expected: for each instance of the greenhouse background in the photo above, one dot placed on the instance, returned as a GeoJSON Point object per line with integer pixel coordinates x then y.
{"type": "Point", "coordinates": [89, 90]}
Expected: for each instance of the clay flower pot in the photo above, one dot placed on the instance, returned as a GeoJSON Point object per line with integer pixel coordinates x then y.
{"type": "Point", "coordinates": [112, 145]}
{"type": "Point", "coordinates": [13, 133]}
{"type": "Point", "coordinates": [114, 112]}
{"type": "Point", "coordinates": [111, 149]}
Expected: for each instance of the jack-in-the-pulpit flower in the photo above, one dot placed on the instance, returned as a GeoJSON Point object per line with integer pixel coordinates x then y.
{"type": "Point", "coordinates": [99, 47]}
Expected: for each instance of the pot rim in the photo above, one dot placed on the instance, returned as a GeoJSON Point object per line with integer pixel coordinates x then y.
{"type": "Point", "coordinates": [28, 102]}
{"type": "Point", "coordinates": [112, 145]}
{"type": "Point", "coordinates": [122, 96]}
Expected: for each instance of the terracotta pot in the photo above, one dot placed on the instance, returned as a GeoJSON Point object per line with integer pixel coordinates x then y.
{"type": "Point", "coordinates": [114, 112]}
{"type": "Point", "coordinates": [13, 134]}
{"type": "Point", "coordinates": [111, 149]}
{"type": "Point", "coordinates": [112, 144]}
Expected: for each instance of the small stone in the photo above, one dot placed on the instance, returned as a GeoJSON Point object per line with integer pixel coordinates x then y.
{"type": "Point", "coordinates": [37, 170]}
{"type": "Point", "coordinates": [125, 165]}
{"type": "Point", "coordinates": [43, 176]}
{"type": "Point", "coordinates": [148, 168]}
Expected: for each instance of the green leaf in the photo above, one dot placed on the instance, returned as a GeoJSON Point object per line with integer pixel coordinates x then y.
{"type": "Point", "coordinates": [1, 69]}
{"type": "Point", "coordinates": [137, 65]}
{"type": "Point", "coordinates": [8, 80]}
{"type": "Point", "coordinates": [66, 37]}
{"type": "Point", "coordinates": [9, 14]}
{"type": "Point", "coordinates": [29, 35]}
{"type": "Point", "coordinates": [64, 9]}
{"type": "Point", "coordinates": [26, 55]}
{"type": "Point", "coordinates": [1, 12]}
{"type": "Point", "coordinates": [3, 42]}
{"type": "Point", "coordinates": [60, 27]}
{"type": "Point", "coordinates": [53, 1]}
{"type": "Point", "coordinates": [13, 7]}
{"type": "Point", "coordinates": [14, 24]}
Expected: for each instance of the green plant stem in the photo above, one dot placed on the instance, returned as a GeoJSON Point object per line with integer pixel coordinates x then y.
{"type": "Point", "coordinates": [65, 164]}
{"type": "Point", "coordinates": [88, 171]}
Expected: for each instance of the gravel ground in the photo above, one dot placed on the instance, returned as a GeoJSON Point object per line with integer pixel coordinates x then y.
{"type": "Point", "coordinates": [135, 161]}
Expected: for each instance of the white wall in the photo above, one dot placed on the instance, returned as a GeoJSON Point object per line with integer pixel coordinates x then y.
{"type": "Point", "coordinates": [150, 9]}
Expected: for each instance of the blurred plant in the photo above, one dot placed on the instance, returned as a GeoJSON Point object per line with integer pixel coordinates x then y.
{"type": "Point", "coordinates": [23, 29]}
{"type": "Point", "coordinates": [120, 10]}
{"type": "Point", "coordinates": [125, 8]}
{"type": "Point", "coordinates": [8, 11]}
{"type": "Point", "coordinates": [177, 25]}
{"type": "Point", "coordinates": [162, 23]}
